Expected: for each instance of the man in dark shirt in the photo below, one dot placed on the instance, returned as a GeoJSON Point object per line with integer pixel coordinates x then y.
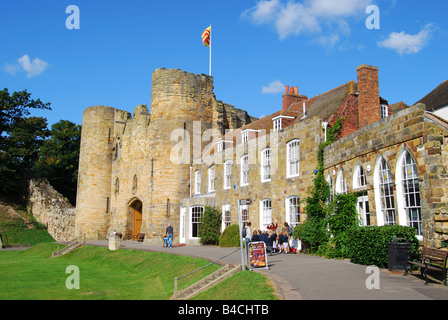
{"type": "Point", "coordinates": [169, 233]}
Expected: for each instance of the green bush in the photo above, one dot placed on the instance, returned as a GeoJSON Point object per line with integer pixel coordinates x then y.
{"type": "Point", "coordinates": [230, 237]}
{"type": "Point", "coordinates": [210, 226]}
{"type": "Point", "coordinates": [313, 233]}
{"type": "Point", "coordinates": [369, 245]}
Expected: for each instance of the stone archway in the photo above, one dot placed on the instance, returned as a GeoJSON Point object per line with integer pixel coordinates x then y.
{"type": "Point", "coordinates": [135, 217]}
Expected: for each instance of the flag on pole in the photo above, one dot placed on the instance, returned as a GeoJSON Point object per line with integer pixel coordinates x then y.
{"type": "Point", "coordinates": [206, 36]}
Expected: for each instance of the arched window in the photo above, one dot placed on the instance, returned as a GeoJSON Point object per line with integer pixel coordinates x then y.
{"type": "Point", "coordinates": [408, 190]}
{"type": "Point", "coordinates": [265, 213]}
{"type": "Point", "coordinates": [341, 183]}
{"type": "Point", "coordinates": [292, 211]}
{"type": "Point", "coordinates": [362, 205]}
{"type": "Point", "coordinates": [330, 182]}
{"type": "Point", "coordinates": [359, 177]}
{"type": "Point", "coordinates": [384, 193]}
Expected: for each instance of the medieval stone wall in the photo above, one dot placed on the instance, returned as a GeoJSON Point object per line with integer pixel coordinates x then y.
{"type": "Point", "coordinates": [52, 209]}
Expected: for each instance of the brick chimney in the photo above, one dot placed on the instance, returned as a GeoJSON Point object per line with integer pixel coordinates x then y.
{"type": "Point", "coordinates": [292, 96]}
{"type": "Point", "coordinates": [369, 110]}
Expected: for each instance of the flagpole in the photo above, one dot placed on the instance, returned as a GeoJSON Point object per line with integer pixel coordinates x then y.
{"type": "Point", "coordinates": [210, 66]}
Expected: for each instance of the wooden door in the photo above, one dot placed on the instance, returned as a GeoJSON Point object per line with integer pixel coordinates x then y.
{"type": "Point", "coordinates": [137, 223]}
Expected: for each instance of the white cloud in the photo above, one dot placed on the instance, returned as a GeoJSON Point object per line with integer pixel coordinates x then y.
{"type": "Point", "coordinates": [33, 68]}
{"type": "Point", "coordinates": [11, 69]}
{"type": "Point", "coordinates": [313, 16]}
{"type": "Point", "coordinates": [404, 43]}
{"type": "Point", "coordinates": [274, 87]}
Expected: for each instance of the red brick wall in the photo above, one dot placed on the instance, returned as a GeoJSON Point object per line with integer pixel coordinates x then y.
{"type": "Point", "coordinates": [369, 95]}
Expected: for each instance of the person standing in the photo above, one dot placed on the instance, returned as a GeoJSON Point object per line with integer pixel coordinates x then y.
{"type": "Point", "coordinates": [169, 233]}
{"type": "Point", "coordinates": [248, 232]}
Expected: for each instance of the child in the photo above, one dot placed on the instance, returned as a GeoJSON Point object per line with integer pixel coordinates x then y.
{"type": "Point", "coordinates": [283, 242]}
{"type": "Point", "coordinates": [255, 237]}
{"type": "Point", "coordinates": [270, 242]}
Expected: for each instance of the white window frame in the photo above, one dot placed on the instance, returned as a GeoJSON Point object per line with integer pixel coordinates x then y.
{"type": "Point", "coordinates": [292, 206]}
{"type": "Point", "coordinates": [196, 213]}
{"type": "Point", "coordinates": [266, 160]}
{"type": "Point", "coordinates": [244, 170]}
{"type": "Point", "coordinates": [330, 183]}
{"type": "Point", "coordinates": [363, 209]}
{"type": "Point", "coordinates": [384, 111]}
{"type": "Point", "coordinates": [265, 213]}
{"type": "Point", "coordinates": [245, 136]}
{"type": "Point", "coordinates": [341, 183]}
{"type": "Point", "coordinates": [211, 179]}
{"type": "Point", "coordinates": [227, 174]}
{"type": "Point", "coordinates": [293, 146]}
{"type": "Point", "coordinates": [226, 216]}
{"type": "Point", "coordinates": [359, 177]}
{"type": "Point", "coordinates": [278, 123]}
{"type": "Point", "coordinates": [197, 182]}
{"type": "Point", "coordinates": [383, 184]}
{"type": "Point", "coordinates": [407, 175]}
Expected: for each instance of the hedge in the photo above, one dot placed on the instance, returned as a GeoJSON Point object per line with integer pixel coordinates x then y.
{"type": "Point", "coordinates": [369, 245]}
{"type": "Point", "coordinates": [230, 236]}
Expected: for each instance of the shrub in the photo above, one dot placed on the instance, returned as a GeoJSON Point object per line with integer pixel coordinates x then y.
{"type": "Point", "coordinates": [313, 233]}
{"type": "Point", "coordinates": [230, 237]}
{"type": "Point", "coordinates": [369, 245]}
{"type": "Point", "coordinates": [210, 226]}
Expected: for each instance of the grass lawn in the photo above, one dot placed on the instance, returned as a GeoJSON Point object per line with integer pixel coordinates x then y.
{"type": "Point", "coordinates": [246, 285]}
{"type": "Point", "coordinates": [110, 275]}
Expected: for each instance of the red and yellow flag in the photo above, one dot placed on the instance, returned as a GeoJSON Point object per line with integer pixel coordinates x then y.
{"type": "Point", "coordinates": [206, 37]}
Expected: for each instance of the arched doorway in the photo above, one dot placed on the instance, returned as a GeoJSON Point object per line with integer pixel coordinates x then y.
{"type": "Point", "coordinates": [135, 217]}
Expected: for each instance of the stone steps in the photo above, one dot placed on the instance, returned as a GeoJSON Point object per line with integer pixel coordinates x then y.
{"type": "Point", "coordinates": [207, 282]}
{"type": "Point", "coordinates": [70, 247]}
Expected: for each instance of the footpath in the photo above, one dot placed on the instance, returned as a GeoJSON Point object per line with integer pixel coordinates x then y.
{"type": "Point", "coordinates": [307, 277]}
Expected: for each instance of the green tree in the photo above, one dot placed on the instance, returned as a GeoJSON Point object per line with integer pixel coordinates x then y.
{"type": "Point", "coordinates": [210, 226]}
{"type": "Point", "coordinates": [59, 158]}
{"type": "Point", "coordinates": [20, 140]}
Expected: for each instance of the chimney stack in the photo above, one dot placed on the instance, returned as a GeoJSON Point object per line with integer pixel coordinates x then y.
{"type": "Point", "coordinates": [369, 110]}
{"type": "Point", "coordinates": [291, 96]}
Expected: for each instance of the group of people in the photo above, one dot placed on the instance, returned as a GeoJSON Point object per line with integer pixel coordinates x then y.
{"type": "Point", "coordinates": [274, 242]}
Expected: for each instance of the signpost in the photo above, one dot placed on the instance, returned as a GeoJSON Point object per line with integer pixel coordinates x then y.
{"type": "Point", "coordinates": [242, 202]}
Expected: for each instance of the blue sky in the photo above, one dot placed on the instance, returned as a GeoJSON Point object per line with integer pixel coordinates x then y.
{"type": "Point", "coordinates": [258, 48]}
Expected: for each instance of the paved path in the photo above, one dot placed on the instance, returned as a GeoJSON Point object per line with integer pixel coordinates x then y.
{"type": "Point", "coordinates": [306, 277]}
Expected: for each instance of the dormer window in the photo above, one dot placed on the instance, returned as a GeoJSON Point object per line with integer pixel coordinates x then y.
{"type": "Point", "coordinates": [245, 136]}
{"type": "Point", "coordinates": [278, 123]}
{"type": "Point", "coordinates": [384, 111]}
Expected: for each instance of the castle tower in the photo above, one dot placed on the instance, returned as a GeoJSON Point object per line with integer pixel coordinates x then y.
{"type": "Point", "coordinates": [182, 106]}
{"type": "Point", "coordinates": [94, 177]}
